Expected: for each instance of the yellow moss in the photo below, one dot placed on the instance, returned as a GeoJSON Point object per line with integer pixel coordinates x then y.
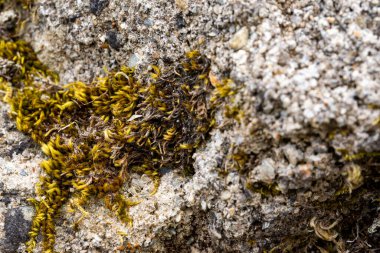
{"type": "Point", "coordinates": [95, 134]}
{"type": "Point", "coordinates": [347, 156]}
{"type": "Point", "coordinates": [222, 89]}
{"type": "Point", "coordinates": [264, 189]}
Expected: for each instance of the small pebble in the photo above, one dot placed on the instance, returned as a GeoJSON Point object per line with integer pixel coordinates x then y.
{"type": "Point", "coordinates": [239, 40]}
{"type": "Point", "coordinates": [225, 195]}
{"type": "Point", "coordinates": [182, 4]}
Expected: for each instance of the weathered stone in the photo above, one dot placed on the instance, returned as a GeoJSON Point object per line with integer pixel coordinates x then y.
{"type": "Point", "coordinates": [308, 90]}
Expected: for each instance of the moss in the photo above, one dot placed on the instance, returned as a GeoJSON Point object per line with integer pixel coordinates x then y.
{"type": "Point", "coordinates": [266, 190]}
{"type": "Point", "coordinates": [21, 9]}
{"type": "Point", "coordinates": [340, 223]}
{"type": "Point", "coordinates": [26, 4]}
{"type": "Point", "coordinates": [95, 134]}
{"type": "Point", "coordinates": [347, 156]}
{"type": "Point", "coordinates": [29, 67]}
{"type": "Point", "coordinates": [234, 112]}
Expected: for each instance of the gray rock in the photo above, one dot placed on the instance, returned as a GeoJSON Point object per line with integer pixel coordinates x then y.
{"type": "Point", "coordinates": [266, 171]}
{"type": "Point", "coordinates": [16, 229]}
{"type": "Point", "coordinates": [308, 89]}
{"type": "Point", "coordinates": [292, 154]}
{"type": "Point", "coordinates": [97, 6]}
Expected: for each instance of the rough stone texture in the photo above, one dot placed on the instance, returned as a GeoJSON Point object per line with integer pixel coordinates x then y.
{"type": "Point", "coordinates": [16, 229]}
{"type": "Point", "coordinates": [308, 81]}
{"type": "Point", "coordinates": [19, 168]}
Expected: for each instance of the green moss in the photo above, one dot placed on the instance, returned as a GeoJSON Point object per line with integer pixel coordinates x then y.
{"type": "Point", "coordinates": [95, 134]}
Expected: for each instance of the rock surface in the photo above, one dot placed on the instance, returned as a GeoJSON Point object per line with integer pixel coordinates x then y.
{"type": "Point", "coordinates": [308, 93]}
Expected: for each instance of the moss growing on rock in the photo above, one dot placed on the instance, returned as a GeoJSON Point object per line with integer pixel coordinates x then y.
{"type": "Point", "coordinates": [95, 134]}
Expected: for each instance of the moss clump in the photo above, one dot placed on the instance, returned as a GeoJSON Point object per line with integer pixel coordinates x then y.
{"type": "Point", "coordinates": [15, 25]}
{"type": "Point", "coordinates": [27, 65]}
{"type": "Point", "coordinates": [266, 190]}
{"type": "Point", "coordinates": [357, 156]}
{"type": "Point", "coordinates": [96, 134]}
{"type": "Point", "coordinates": [26, 4]}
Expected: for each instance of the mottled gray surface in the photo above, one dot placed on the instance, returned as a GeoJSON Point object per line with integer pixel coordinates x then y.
{"type": "Point", "coordinates": [308, 83]}
{"type": "Point", "coordinates": [16, 230]}
{"type": "Point", "coordinates": [19, 168]}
